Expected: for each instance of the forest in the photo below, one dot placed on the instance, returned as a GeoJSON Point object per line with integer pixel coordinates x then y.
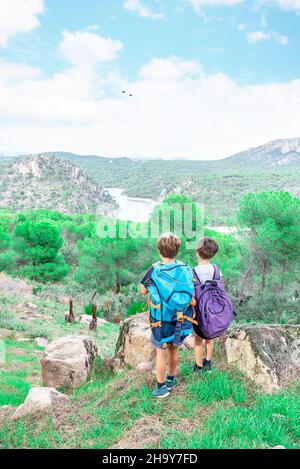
{"type": "Point", "coordinates": [259, 261]}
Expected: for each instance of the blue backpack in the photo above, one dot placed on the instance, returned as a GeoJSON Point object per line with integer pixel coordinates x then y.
{"type": "Point", "coordinates": [171, 306]}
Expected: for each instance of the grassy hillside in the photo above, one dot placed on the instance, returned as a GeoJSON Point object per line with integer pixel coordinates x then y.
{"type": "Point", "coordinates": [221, 409]}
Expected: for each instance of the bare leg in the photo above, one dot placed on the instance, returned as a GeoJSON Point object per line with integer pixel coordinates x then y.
{"type": "Point", "coordinates": [161, 365]}
{"type": "Point", "coordinates": [209, 349]}
{"type": "Point", "coordinates": [198, 345]}
{"type": "Point", "coordinates": [173, 360]}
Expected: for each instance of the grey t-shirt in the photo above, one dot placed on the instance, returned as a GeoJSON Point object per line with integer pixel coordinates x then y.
{"type": "Point", "coordinates": [205, 272]}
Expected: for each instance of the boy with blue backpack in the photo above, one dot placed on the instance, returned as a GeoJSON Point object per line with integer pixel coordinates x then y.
{"type": "Point", "coordinates": [214, 310]}
{"type": "Point", "coordinates": [170, 284]}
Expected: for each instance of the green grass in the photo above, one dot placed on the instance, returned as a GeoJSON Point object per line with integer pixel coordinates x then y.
{"type": "Point", "coordinates": [269, 421]}
{"type": "Point", "coordinates": [221, 409]}
{"type": "Point", "coordinates": [105, 337]}
{"type": "Point", "coordinates": [217, 386]}
{"type": "Point", "coordinates": [19, 372]}
{"type": "Point", "coordinates": [217, 410]}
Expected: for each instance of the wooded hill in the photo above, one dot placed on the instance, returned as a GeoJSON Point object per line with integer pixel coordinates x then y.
{"type": "Point", "coordinates": [218, 185]}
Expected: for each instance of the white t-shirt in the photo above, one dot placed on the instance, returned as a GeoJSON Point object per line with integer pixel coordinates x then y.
{"type": "Point", "coordinates": [205, 272]}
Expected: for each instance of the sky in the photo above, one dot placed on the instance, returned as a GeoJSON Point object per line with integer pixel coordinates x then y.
{"type": "Point", "coordinates": [203, 79]}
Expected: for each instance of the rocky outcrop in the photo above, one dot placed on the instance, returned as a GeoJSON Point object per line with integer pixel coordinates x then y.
{"type": "Point", "coordinates": [31, 181]}
{"type": "Point", "coordinates": [67, 361]}
{"type": "Point", "coordinates": [134, 347]}
{"type": "Point", "coordinates": [269, 354]}
{"type": "Point", "coordinates": [39, 400]}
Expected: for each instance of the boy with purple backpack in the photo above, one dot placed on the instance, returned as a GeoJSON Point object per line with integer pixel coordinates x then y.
{"type": "Point", "coordinates": [214, 310]}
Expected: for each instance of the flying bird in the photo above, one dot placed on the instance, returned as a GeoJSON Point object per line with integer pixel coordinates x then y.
{"type": "Point", "coordinates": [124, 92]}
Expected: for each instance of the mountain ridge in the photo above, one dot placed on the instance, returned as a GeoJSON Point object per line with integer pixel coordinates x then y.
{"type": "Point", "coordinates": [283, 146]}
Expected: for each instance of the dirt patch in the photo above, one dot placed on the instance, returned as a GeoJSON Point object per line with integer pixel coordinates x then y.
{"type": "Point", "coordinates": [146, 432]}
{"type": "Point", "coordinates": [12, 286]}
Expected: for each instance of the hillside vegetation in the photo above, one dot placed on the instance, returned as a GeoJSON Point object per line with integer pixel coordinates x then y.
{"type": "Point", "coordinates": [219, 185]}
{"type": "Point", "coordinates": [51, 183]}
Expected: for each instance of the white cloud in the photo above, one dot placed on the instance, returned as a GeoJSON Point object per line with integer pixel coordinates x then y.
{"type": "Point", "coordinates": [18, 16]}
{"type": "Point", "coordinates": [280, 38]}
{"type": "Point", "coordinates": [242, 26]}
{"type": "Point", "coordinates": [257, 36]}
{"type": "Point", "coordinates": [16, 73]}
{"type": "Point", "coordinates": [199, 4]}
{"type": "Point", "coordinates": [86, 48]}
{"type": "Point", "coordinates": [176, 111]}
{"type": "Point", "coordinates": [170, 70]}
{"type": "Point", "coordinates": [293, 5]}
{"type": "Point", "coordinates": [143, 10]}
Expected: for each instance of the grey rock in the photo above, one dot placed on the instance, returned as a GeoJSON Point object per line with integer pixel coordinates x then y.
{"type": "Point", "coordinates": [133, 345]}
{"type": "Point", "coordinates": [269, 354]}
{"type": "Point", "coordinates": [39, 400]}
{"type": "Point", "coordinates": [67, 361]}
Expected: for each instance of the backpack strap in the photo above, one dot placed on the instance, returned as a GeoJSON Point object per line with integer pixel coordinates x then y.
{"type": "Point", "coordinates": [196, 276]}
{"type": "Point", "coordinates": [217, 274]}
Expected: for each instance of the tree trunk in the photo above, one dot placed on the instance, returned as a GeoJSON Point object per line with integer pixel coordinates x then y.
{"type": "Point", "coordinates": [263, 274]}
{"type": "Point", "coordinates": [118, 285]}
{"type": "Point", "coordinates": [71, 311]}
{"type": "Point", "coordinates": [93, 323]}
{"type": "Point", "coordinates": [70, 317]}
{"type": "Point", "coordinates": [244, 282]}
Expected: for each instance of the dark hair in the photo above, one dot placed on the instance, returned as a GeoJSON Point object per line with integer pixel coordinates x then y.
{"type": "Point", "coordinates": [207, 248]}
{"type": "Point", "coordinates": [168, 245]}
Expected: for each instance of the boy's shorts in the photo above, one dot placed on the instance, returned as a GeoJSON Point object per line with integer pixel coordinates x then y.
{"type": "Point", "coordinates": [157, 344]}
{"type": "Point", "coordinates": [198, 332]}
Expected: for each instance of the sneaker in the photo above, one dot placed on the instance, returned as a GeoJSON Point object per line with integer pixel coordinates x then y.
{"type": "Point", "coordinates": [206, 365]}
{"type": "Point", "coordinates": [160, 393]}
{"type": "Point", "coordinates": [170, 383]}
{"type": "Point", "coordinates": [197, 369]}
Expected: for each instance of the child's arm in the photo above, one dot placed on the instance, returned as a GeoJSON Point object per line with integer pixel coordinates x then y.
{"type": "Point", "coordinates": [146, 281]}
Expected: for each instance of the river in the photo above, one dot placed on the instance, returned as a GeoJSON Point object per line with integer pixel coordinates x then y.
{"type": "Point", "coordinates": [135, 209]}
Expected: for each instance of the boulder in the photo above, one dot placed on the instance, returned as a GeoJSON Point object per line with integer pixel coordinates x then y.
{"type": "Point", "coordinates": [134, 346]}
{"type": "Point", "coordinates": [87, 319]}
{"type": "Point", "coordinates": [268, 354]}
{"type": "Point", "coordinates": [189, 342]}
{"type": "Point", "coordinates": [67, 361]}
{"type": "Point", "coordinates": [39, 399]}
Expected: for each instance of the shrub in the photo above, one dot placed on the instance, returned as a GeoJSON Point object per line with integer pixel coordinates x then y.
{"type": "Point", "coordinates": [88, 310]}
{"type": "Point", "coordinates": [135, 308]}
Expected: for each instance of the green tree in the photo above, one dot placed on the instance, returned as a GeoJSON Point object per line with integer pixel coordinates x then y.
{"type": "Point", "coordinates": [270, 220]}
{"type": "Point", "coordinates": [37, 245]}
{"type": "Point", "coordinates": [112, 262]}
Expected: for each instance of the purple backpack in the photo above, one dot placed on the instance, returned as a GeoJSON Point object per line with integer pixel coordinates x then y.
{"type": "Point", "coordinates": [214, 310]}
